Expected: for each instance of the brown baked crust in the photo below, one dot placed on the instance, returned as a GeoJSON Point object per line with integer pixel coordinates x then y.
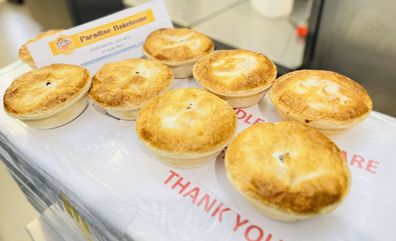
{"type": "Point", "coordinates": [186, 121]}
{"type": "Point", "coordinates": [312, 176]}
{"type": "Point", "coordinates": [24, 54]}
{"type": "Point", "coordinates": [45, 90]}
{"type": "Point", "coordinates": [312, 95]}
{"type": "Point", "coordinates": [235, 72]}
{"type": "Point", "coordinates": [176, 45]}
{"type": "Point", "coordinates": [129, 83]}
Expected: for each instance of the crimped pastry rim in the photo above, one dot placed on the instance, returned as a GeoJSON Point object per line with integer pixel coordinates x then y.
{"type": "Point", "coordinates": [187, 153]}
{"type": "Point", "coordinates": [58, 108]}
{"type": "Point", "coordinates": [239, 93]}
{"type": "Point", "coordinates": [175, 63]}
{"type": "Point", "coordinates": [130, 106]}
{"type": "Point", "coordinates": [271, 209]}
{"type": "Point", "coordinates": [325, 124]}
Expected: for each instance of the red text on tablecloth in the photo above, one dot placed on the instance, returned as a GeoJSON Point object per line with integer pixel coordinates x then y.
{"type": "Point", "coordinates": [354, 160]}
{"type": "Point", "coordinates": [215, 208]}
{"type": "Point", "coordinates": [247, 117]}
{"type": "Point", "coordinates": [364, 164]}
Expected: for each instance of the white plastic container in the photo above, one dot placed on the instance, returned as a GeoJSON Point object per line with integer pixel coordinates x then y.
{"type": "Point", "coordinates": [273, 8]}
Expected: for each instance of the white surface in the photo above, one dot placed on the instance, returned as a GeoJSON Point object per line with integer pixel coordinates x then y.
{"type": "Point", "coordinates": [100, 161]}
{"type": "Point", "coordinates": [242, 27]}
{"type": "Point", "coordinates": [189, 12]}
{"type": "Point", "coordinates": [273, 9]}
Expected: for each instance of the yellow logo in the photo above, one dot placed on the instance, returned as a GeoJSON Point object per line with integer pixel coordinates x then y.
{"type": "Point", "coordinates": [64, 44]}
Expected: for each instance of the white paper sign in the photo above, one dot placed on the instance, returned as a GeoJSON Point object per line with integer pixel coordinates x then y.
{"type": "Point", "coordinates": [111, 38]}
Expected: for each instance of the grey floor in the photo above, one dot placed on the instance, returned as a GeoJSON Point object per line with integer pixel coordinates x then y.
{"type": "Point", "coordinates": [16, 26]}
{"type": "Point", "coordinates": [15, 211]}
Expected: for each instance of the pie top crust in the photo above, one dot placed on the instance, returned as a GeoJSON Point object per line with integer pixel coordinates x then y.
{"type": "Point", "coordinates": [174, 46]}
{"type": "Point", "coordinates": [288, 166]}
{"type": "Point", "coordinates": [24, 54]}
{"type": "Point", "coordinates": [311, 95]}
{"type": "Point", "coordinates": [129, 83]}
{"type": "Point", "coordinates": [46, 91]}
{"type": "Point", "coordinates": [184, 121]}
{"type": "Point", "coordinates": [235, 72]}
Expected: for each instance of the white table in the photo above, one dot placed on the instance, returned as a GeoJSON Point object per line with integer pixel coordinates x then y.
{"type": "Point", "coordinates": [96, 171]}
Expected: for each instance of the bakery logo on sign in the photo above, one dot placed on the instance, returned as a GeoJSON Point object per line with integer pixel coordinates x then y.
{"type": "Point", "coordinates": [64, 44]}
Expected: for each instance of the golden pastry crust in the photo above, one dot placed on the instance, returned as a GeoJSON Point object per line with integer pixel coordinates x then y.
{"type": "Point", "coordinates": [235, 72]}
{"type": "Point", "coordinates": [129, 83]}
{"type": "Point", "coordinates": [175, 46]}
{"type": "Point", "coordinates": [288, 167]}
{"type": "Point", "coordinates": [24, 54]}
{"type": "Point", "coordinates": [321, 99]}
{"type": "Point", "coordinates": [45, 91]}
{"type": "Point", "coordinates": [184, 121]}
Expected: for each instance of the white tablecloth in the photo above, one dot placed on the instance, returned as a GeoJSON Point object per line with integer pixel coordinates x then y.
{"type": "Point", "coordinates": [113, 180]}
